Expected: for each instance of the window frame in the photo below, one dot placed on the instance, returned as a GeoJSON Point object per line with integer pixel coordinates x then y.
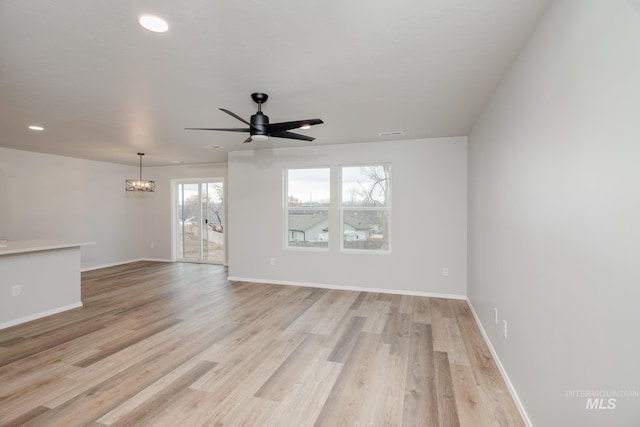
{"type": "Point", "coordinates": [287, 209]}
{"type": "Point", "coordinates": [386, 209]}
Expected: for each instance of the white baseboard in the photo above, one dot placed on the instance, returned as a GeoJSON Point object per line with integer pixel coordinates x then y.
{"type": "Point", "coordinates": [129, 261]}
{"type": "Point", "coordinates": [112, 264]}
{"type": "Point", "coordinates": [347, 288]}
{"type": "Point", "coordinates": [40, 315]}
{"type": "Point", "coordinates": [503, 372]}
{"type": "Point", "coordinates": [156, 260]}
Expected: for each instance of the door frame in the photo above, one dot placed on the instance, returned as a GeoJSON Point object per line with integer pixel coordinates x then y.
{"type": "Point", "coordinates": [174, 213]}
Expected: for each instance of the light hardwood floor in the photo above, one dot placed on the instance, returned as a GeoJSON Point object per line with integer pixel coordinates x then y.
{"type": "Point", "coordinates": [178, 345]}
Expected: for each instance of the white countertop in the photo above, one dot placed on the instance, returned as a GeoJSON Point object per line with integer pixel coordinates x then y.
{"type": "Point", "coordinates": [22, 246]}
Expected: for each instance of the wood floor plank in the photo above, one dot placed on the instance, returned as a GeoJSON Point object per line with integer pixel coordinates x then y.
{"type": "Point", "coordinates": [287, 375]}
{"type": "Point", "coordinates": [354, 395]}
{"type": "Point", "coordinates": [376, 314]}
{"type": "Point", "coordinates": [129, 339]}
{"type": "Point", "coordinates": [442, 307]}
{"type": "Point", "coordinates": [145, 412]}
{"type": "Point", "coordinates": [330, 310]}
{"type": "Point", "coordinates": [500, 407]}
{"type": "Point", "coordinates": [304, 403]}
{"type": "Point", "coordinates": [228, 390]}
{"type": "Point", "coordinates": [251, 368]}
{"type": "Point", "coordinates": [396, 329]}
{"type": "Point", "coordinates": [79, 382]}
{"type": "Point", "coordinates": [347, 339]}
{"type": "Point", "coordinates": [95, 401]}
{"type": "Point", "coordinates": [469, 405]}
{"type": "Point", "coordinates": [151, 392]}
{"type": "Point", "coordinates": [358, 301]}
{"type": "Point", "coordinates": [389, 409]}
{"type": "Point", "coordinates": [325, 313]}
{"type": "Point", "coordinates": [33, 346]}
{"type": "Point", "coordinates": [252, 411]}
{"type": "Point", "coordinates": [447, 338]}
{"type": "Point", "coordinates": [406, 305]}
{"type": "Point", "coordinates": [420, 395]}
{"type": "Point", "coordinates": [447, 404]}
{"type": "Point", "coordinates": [26, 417]}
{"type": "Point", "coordinates": [167, 344]}
{"type": "Point", "coordinates": [21, 393]}
{"type": "Point", "coordinates": [190, 408]}
{"type": "Point", "coordinates": [421, 310]}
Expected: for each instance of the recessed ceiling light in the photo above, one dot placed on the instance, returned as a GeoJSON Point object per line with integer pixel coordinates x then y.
{"type": "Point", "coordinates": [33, 127]}
{"type": "Point", "coordinates": [393, 133]}
{"type": "Point", "coordinates": [153, 23]}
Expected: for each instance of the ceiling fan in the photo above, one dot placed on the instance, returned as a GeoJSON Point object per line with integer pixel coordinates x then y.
{"type": "Point", "coordinates": [259, 127]}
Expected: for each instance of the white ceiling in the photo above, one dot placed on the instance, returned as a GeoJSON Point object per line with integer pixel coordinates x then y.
{"type": "Point", "coordinates": [104, 88]}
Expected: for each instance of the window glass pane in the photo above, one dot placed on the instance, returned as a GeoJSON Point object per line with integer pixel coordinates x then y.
{"type": "Point", "coordinates": [308, 199]}
{"type": "Point", "coordinates": [308, 187]}
{"type": "Point", "coordinates": [308, 228]}
{"type": "Point", "coordinates": [365, 229]}
{"type": "Point", "coordinates": [365, 185]}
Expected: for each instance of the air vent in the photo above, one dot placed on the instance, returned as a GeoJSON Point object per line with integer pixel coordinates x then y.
{"type": "Point", "coordinates": [394, 133]}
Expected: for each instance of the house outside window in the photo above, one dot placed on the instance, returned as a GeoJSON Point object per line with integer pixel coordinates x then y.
{"type": "Point", "coordinates": [307, 207]}
{"type": "Point", "coordinates": [365, 207]}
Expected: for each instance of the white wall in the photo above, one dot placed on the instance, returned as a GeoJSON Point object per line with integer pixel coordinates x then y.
{"type": "Point", "coordinates": [54, 197]}
{"type": "Point", "coordinates": [428, 218]}
{"type": "Point", "coordinates": [554, 214]}
{"type": "Point", "coordinates": [49, 283]}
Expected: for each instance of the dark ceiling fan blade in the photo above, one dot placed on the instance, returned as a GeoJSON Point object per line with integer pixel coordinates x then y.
{"type": "Point", "coordinates": [291, 135]}
{"type": "Point", "coordinates": [284, 126]}
{"type": "Point", "coordinates": [260, 128]}
{"type": "Point", "coordinates": [232, 114]}
{"type": "Point", "coordinates": [224, 129]}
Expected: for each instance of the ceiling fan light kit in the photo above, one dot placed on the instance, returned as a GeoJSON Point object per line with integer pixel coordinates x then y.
{"type": "Point", "coordinates": [140, 185]}
{"type": "Point", "coordinates": [259, 127]}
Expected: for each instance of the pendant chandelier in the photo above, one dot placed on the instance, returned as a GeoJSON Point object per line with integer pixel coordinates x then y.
{"type": "Point", "coordinates": [140, 184]}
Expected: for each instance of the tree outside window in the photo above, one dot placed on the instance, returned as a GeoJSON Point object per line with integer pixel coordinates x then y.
{"type": "Point", "coordinates": [365, 207]}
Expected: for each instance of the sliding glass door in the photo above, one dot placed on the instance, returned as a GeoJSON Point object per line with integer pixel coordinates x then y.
{"type": "Point", "coordinates": [200, 221]}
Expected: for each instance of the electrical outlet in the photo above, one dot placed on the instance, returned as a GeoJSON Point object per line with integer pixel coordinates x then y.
{"type": "Point", "coordinates": [272, 261]}
{"type": "Point", "coordinates": [495, 315]}
{"type": "Point", "coordinates": [445, 271]}
{"type": "Point", "coordinates": [16, 290]}
{"type": "Point", "coordinates": [504, 329]}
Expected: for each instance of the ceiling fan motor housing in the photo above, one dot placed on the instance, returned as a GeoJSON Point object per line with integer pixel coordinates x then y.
{"type": "Point", "coordinates": [259, 124]}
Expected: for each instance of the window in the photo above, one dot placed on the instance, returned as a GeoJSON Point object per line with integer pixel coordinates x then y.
{"type": "Point", "coordinates": [365, 207]}
{"type": "Point", "coordinates": [307, 207]}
